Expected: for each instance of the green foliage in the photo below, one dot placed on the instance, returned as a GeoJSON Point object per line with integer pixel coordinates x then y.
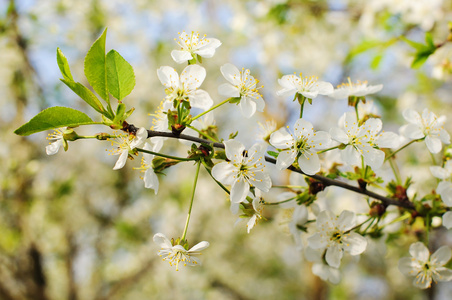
{"type": "Point", "coordinates": [86, 94]}
{"type": "Point", "coordinates": [64, 65]}
{"type": "Point", "coordinates": [120, 76]}
{"type": "Point", "coordinates": [423, 51]}
{"type": "Point", "coordinates": [54, 117]}
{"type": "Point", "coordinates": [95, 67]}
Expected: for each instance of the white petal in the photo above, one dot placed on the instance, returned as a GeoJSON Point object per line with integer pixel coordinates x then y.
{"type": "Point", "coordinates": [201, 99]}
{"type": "Point", "coordinates": [346, 220]}
{"type": "Point", "coordinates": [422, 283]}
{"type": "Point", "coordinates": [443, 274]}
{"type": "Point", "coordinates": [351, 156]}
{"type": "Point", "coordinates": [355, 243]}
{"type": "Point", "coordinates": [419, 251]}
{"type": "Point", "coordinates": [325, 218]}
{"type": "Point", "coordinates": [250, 224]}
{"type": "Point", "coordinates": [433, 144]}
{"type": "Point", "coordinates": [53, 148]}
{"type": "Point", "coordinates": [228, 90]}
{"type": "Point", "coordinates": [247, 107]}
{"type": "Point", "coordinates": [320, 140]}
{"type": "Point", "coordinates": [224, 172]}
{"type": "Point", "coordinates": [447, 220]}
{"type": "Point", "coordinates": [373, 157]}
{"type": "Point", "coordinates": [151, 180]}
{"type": "Point", "coordinates": [412, 116]}
{"type": "Point", "coordinates": [262, 181]}
{"type": "Point", "coordinates": [444, 136]}
{"type": "Point", "coordinates": [309, 163]}
{"type": "Point", "coordinates": [121, 160]}
{"type": "Point", "coordinates": [339, 135]}
{"type": "Point", "coordinates": [412, 131]}
{"type": "Point", "coordinates": [208, 50]}
{"type": "Point", "coordinates": [387, 140]}
{"type": "Point", "coordinates": [193, 76]}
{"type": "Point", "coordinates": [234, 150]}
{"type": "Point", "coordinates": [199, 246]}
{"type": "Point", "coordinates": [162, 240]}
{"type": "Point", "coordinates": [445, 190]}
{"type": "Point", "coordinates": [231, 74]}
{"type": "Point", "coordinates": [168, 76]}
{"type": "Point", "coordinates": [317, 241]}
{"type": "Point", "coordinates": [441, 256]}
{"type": "Point", "coordinates": [303, 128]}
{"type": "Point", "coordinates": [406, 266]}
{"type": "Point", "coordinates": [239, 190]}
{"type": "Point", "coordinates": [281, 139]}
{"type": "Point", "coordinates": [181, 56]}
{"type": "Point", "coordinates": [439, 172]}
{"type": "Point", "coordinates": [285, 159]}
{"type": "Point", "coordinates": [334, 255]}
{"type": "Point", "coordinates": [324, 88]}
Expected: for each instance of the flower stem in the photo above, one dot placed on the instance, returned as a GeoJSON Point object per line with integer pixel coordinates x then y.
{"type": "Point", "coordinates": [401, 148]}
{"type": "Point", "coordinates": [202, 133]}
{"type": "Point", "coordinates": [279, 202]}
{"type": "Point", "coordinates": [191, 201]}
{"type": "Point", "coordinates": [212, 108]}
{"type": "Point", "coordinates": [302, 101]}
{"type": "Point", "coordinates": [219, 183]}
{"type": "Point", "coordinates": [326, 150]}
{"type": "Point", "coordinates": [164, 155]}
{"type": "Point", "coordinates": [395, 170]}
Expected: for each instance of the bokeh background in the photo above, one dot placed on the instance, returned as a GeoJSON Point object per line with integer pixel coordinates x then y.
{"type": "Point", "coordinates": [72, 228]}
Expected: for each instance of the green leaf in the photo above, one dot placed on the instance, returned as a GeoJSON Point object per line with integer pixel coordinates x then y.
{"type": "Point", "coordinates": [120, 76]}
{"type": "Point", "coordinates": [375, 63]}
{"type": "Point", "coordinates": [415, 45]}
{"type": "Point", "coordinates": [95, 67]}
{"type": "Point", "coordinates": [86, 94]}
{"type": "Point", "coordinates": [54, 117]}
{"type": "Point", "coordinates": [64, 65]}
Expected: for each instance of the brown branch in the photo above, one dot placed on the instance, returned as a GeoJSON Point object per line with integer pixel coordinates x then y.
{"type": "Point", "coordinates": [327, 181]}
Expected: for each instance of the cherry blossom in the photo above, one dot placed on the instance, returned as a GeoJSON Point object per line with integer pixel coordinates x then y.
{"type": "Point", "coordinates": [335, 236]}
{"type": "Point", "coordinates": [365, 140]}
{"type": "Point", "coordinates": [358, 89]}
{"type": "Point", "coordinates": [243, 170]}
{"type": "Point", "coordinates": [241, 85]}
{"type": "Point", "coordinates": [56, 141]}
{"type": "Point", "coordinates": [126, 144]}
{"type": "Point", "coordinates": [424, 267]}
{"type": "Point", "coordinates": [427, 126]}
{"type": "Point", "coordinates": [191, 45]}
{"type": "Point", "coordinates": [176, 254]}
{"type": "Point", "coordinates": [301, 146]}
{"type": "Point", "coordinates": [185, 87]}
{"type": "Point", "coordinates": [309, 87]}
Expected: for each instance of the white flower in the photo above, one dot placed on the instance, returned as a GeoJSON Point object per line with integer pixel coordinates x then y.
{"type": "Point", "coordinates": [242, 85]}
{"type": "Point", "coordinates": [192, 45]}
{"type": "Point", "coordinates": [358, 89]}
{"type": "Point", "coordinates": [242, 171]}
{"type": "Point", "coordinates": [320, 268]}
{"type": "Point", "coordinates": [151, 180]}
{"type": "Point", "coordinates": [126, 144]}
{"type": "Point", "coordinates": [56, 141]}
{"type": "Point", "coordinates": [309, 87]}
{"type": "Point", "coordinates": [447, 220]}
{"type": "Point", "coordinates": [425, 267]}
{"type": "Point", "coordinates": [258, 208]}
{"type": "Point", "coordinates": [302, 146]}
{"type": "Point", "coordinates": [186, 87]}
{"type": "Point", "coordinates": [335, 236]}
{"type": "Point", "coordinates": [429, 126]}
{"type": "Point", "coordinates": [363, 140]}
{"type": "Point", "coordinates": [175, 254]}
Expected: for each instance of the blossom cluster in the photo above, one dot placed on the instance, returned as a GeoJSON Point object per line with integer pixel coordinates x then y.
{"type": "Point", "coordinates": [359, 140]}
